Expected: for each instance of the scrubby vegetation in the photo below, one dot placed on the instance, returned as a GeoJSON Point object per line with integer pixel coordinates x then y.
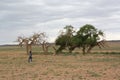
{"type": "Point", "coordinates": [66, 66]}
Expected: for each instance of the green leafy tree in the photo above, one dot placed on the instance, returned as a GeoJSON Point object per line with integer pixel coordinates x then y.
{"type": "Point", "coordinates": [89, 37]}
{"type": "Point", "coordinates": [64, 39]}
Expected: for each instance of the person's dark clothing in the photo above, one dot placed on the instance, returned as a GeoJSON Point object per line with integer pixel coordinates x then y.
{"type": "Point", "coordinates": [30, 57]}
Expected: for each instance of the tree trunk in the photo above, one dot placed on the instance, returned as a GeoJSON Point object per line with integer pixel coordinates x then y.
{"type": "Point", "coordinates": [27, 49]}
{"type": "Point", "coordinates": [55, 50]}
{"type": "Point", "coordinates": [45, 47]}
{"type": "Point", "coordinates": [89, 49]}
{"type": "Point", "coordinates": [71, 49]}
{"type": "Point", "coordinates": [30, 47]}
{"type": "Point", "coordinates": [83, 50]}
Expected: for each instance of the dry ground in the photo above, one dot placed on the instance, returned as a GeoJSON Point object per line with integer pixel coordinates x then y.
{"type": "Point", "coordinates": [14, 66]}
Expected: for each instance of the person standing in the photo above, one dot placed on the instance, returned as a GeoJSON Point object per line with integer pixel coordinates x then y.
{"type": "Point", "coordinates": [30, 57]}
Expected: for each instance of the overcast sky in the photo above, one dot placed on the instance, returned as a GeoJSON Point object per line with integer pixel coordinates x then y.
{"type": "Point", "coordinates": [24, 17]}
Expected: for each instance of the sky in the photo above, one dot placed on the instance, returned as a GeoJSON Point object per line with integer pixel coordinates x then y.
{"type": "Point", "coordinates": [25, 17]}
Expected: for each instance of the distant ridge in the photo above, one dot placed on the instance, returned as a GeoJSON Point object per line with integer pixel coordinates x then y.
{"type": "Point", "coordinates": [113, 40]}
{"type": "Point", "coordinates": [8, 45]}
{"type": "Point", "coordinates": [17, 44]}
{"type": "Point", "coordinates": [52, 43]}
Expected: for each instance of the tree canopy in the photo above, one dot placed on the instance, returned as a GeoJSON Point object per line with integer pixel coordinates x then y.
{"type": "Point", "coordinates": [87, 37]}
{"type": "Point", "coordinates": [64, 39]}
{"type": "Point", "coordinates": [36, 38]}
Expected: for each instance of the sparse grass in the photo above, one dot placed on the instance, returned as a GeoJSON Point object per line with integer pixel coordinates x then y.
{"type": "Point", "coordinates": [65, 66]}
{"type": "Point", "coordinates": [93, 74]}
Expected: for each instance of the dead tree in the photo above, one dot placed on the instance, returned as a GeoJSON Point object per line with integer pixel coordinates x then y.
{"type": "Point", "coordinates": [45, 46]}
{"type": "Point", "coordinates": [25, 41]}
{"type": "Point", "coordinates": [36, 38]}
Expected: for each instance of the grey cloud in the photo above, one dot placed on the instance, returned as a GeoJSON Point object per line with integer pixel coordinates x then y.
{"type": "Point", "coordinates": [20, 15]}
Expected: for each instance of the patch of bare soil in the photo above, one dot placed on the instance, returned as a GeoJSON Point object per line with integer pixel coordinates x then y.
{"type": "Point", "coordinates": [14, 66]}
